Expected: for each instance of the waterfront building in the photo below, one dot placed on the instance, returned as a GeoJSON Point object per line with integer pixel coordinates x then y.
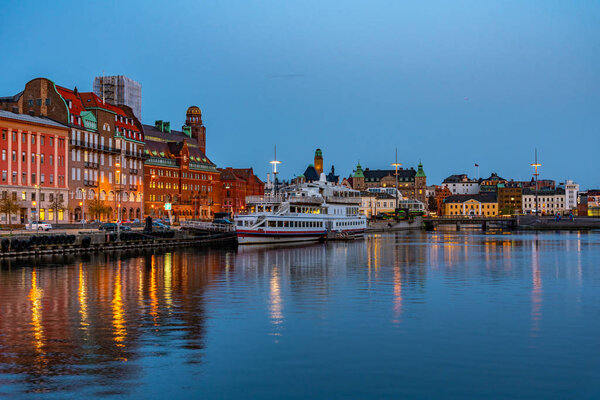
{"type": "Point", "coordinates": [375, 202]}
{"type": "Point", "coordinates": [491, 184]}
{"type": "Point", "coordinates": [482, 205]}
{"type": "Point", "coordinates": [571, 191]}
{"type": "Point", "coordinates": [461, 184]}
{"type": "Point", "coordinates": [33, 167]}
{"type": "Point", "coordinates": [115, 160]}
{"type": "Point", "coordinates": [412, 183]}
{"type": "Point", "coordinates": [102, 137]}
{"type": "Point", "coordinates": [510, 198]}
{"type": "Point", "coordinates": [541, 184]}
{"type": "Point", "coordinates": [441, 193]}
{"type": "Point", "coordinates": [181, 181]}
{"type": "Point", "coordinates": [120, 90]}
{"type": "Point", "coordinates": [236, 185]}
{"type": "Point", "coordinates": [550, 201]}
{"type": "Point", "coordinates": [588, 203]}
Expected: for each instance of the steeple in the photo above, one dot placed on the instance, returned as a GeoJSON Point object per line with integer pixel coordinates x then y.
{"type": "Point", "coordinates": [359, 172]}
{"type": "Point", "coordinates": [420, 172]}
{"type": "Point", "coordinates": [319, 161]}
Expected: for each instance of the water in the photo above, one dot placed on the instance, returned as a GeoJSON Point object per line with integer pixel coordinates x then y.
{"type": "Point", "coordinates": [411, 315]}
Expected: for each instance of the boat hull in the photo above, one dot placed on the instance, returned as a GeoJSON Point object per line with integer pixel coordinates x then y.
{"type": "Point", "coordinates": [246, 237]}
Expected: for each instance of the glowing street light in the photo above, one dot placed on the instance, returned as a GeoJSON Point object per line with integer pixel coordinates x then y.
{"type": "Point", "coordinates": [536, 165]}
{"type": "Point", "coordinates": [396, 165]}
{"type": "Point", "coordinates": [274, 163]}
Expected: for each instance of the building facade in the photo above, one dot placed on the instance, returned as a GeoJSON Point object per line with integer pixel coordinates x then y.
{"type": "Point", "coordinates": [510, 198]}
{"type": "Point", "coordinates": [182, 183]}
{"type": "Point", "coordinates": [550, 201]}
{"type": "Point", "coordinates": [33, 167]}
{"type": "Point", "coordinates": [373, 203]}
{"type": "Point", "coordinates": [461, 184]}
{"type": "Point", "coordinates": [481, 205]}
{"type": "Point", "coordinates": [412, 183]}
{"type": "Point", "coordinates": [571, 192]}
{"type": "Point", "coordinates": [236, 185]}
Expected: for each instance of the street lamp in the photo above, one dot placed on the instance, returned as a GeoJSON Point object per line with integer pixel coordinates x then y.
{"type": "Point", "coordinates": [274, 163]}
{"type": "Point", "coordinates": [396, 165]}
{"type": "Point", "coordinates": [535, 165]}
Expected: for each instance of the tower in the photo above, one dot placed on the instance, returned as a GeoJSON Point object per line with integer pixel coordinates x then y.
{"type": "Point", "coordinates": [318, 161]}
{"type": "Point", "coordinates": [420, 184]}
{"type": "Point", "coordinates": [193, 119]}
{"type": "Point", "coordinates": [358, 179]}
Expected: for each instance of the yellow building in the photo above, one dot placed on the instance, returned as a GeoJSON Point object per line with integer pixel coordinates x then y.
{"type": "Point", "coordinates": [481, 205]}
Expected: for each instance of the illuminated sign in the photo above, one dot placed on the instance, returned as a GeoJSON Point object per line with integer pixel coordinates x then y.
{"type": "Point", "coordinates": [167, 206]}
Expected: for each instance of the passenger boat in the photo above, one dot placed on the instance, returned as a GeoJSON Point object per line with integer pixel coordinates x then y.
{"type": "Point", "coordinates": [301, 213]}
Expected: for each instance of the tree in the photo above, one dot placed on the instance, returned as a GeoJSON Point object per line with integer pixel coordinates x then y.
{"type": "Point", "coordinates": [9, 206]}
{"type": "Point", "coordinates": [57, 205]}
{"type": "Point", "coordinates": [96, 208]}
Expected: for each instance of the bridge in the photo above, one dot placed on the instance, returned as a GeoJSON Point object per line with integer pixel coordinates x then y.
{"type": "Point", "coordinates": [431, 223]}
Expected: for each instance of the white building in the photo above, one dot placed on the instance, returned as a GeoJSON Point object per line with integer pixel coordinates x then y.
{"type": "Point", "coordinates": [550, 201]}
{"type": "Point", "coordinates": [461, 184]}
{"type": "Point", "coordinates": [571, 192]}
{"type": "Point", "coordinates": [373, 203]}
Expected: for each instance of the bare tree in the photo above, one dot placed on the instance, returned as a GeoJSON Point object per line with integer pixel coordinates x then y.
{"type": "Point", "coordinates": [57, 204]}
{"type": "Point", "coordinates": [97, 208]}
{"type": "Point", "coordinates": [9, 206]}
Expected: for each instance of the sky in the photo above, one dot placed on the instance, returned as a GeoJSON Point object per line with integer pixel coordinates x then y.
{"type": "Point", "coordinates": [450, 84]}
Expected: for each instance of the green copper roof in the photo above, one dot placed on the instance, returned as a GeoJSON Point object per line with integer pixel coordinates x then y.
{"type": "Point", "coordinates": [420, 172]}
{"type": "Point", "coordinates": [359, 172]}
{"type": "Point", "coordinates": [318, 153]}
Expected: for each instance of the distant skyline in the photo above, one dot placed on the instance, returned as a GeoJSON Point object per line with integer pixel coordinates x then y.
{"type": "Point", "coordinates": [448, 83]}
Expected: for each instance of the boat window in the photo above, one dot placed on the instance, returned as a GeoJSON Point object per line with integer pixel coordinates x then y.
{"type": "Point", "coordinates": [272, 224]}
{"type": "Point", "coordinates": [280, 224]}
{"type": "Point", "coordinates": [286, 224]}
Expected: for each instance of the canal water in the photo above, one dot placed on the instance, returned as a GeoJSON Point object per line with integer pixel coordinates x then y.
{"type": "Point", "coordinates": [409, 315]}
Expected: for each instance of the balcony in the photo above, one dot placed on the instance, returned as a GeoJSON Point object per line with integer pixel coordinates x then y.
{"type": "Point", "coordinates": [133, 187]}
{"type": "Point", "coordinates": [90, 183]}
{"type": "Point", "coordinates": [89, 164]}
{"type": "Point", "coordinates": [83, 144]}
{"type": "Point", "coordinates": [133, 171]}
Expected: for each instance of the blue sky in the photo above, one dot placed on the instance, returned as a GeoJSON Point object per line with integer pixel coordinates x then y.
{"type": "Point", "coordinates": [448, 83]}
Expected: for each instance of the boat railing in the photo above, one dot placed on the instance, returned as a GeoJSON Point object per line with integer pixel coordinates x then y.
{"type": "Point", "coordinates": [268, 198]}
{"type": "Point", "coordinates": [207, 226]}
{"type": "Point", "coordinates": [305, 199]}
{"type": "Point", "coordinates": [343, 200]}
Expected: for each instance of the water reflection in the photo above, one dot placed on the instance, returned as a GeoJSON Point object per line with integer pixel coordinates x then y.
{"type": "Point", "coordinates": [95, 324]}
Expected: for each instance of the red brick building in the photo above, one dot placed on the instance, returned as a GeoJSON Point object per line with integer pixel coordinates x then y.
{"type": "Point", "coordinates": [33, 166]}
{"type": "Point", "coordinates": [177, 172]}
{"type": "Point", "coordinates": [236, 184]}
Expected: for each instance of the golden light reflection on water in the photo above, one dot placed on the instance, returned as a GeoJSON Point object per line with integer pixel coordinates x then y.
{"type": "Point", "coordinates": [82, 298]}
{"type": "Point", "coordinates": [536, 291]}
{"type": "Point", "coordinates": [153, 296]}
{"type": "Point", "coordinates": [397, 288]}
{"type": "Point", "coordinates": [35, 297]}
{"type": "Point", "coordinates": [275, 305]}
{"type": "Point", "coordinates": [168, 279]}
{"type": "Point", "coordinates": [119, 323]}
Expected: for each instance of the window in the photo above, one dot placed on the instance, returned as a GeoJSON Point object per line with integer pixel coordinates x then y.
{"type": "Point", "coordinates": [33, 178]}
{"type": "Point", "coordinates": [51, 178]}
{"type": "Point", "coordinates": [32, 139]}
{"type": "Point", "coordinates": [41, 140]}
{"type": "Point", "coordinates": [4, 135]}
{"type": "Point", "coordinates": [14, 177]}
{"type": "Point", "coordinates": [23, 137]}
{"type": "Point", "coordinates": [4, 176]}
{"type": "Point", "coordinates": [24, 157]}
{"type": "Point", "coordinates": [3, 155]}
{"type": "Point", "coordinates": [51, 160]}
{"type": "Point", "coordinates": [51, 141]}
{"type": "Point", "coordinates": [48, 101]}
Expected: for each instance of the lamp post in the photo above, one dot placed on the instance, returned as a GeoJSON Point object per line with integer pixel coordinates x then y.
{"type": "Point", "coordinates": [81, 204]}
{"type": "Point", "coordinates": [396, 165]}
{"type": "Point", "coordinates": [274, 163]}
{"type": "Point", "coordinates": [536, 165]}
{"type": "Point", "coordinates": [118, 179]}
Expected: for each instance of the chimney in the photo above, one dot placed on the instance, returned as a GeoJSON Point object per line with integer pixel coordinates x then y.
{"type": "Point", "coordinates": [158, 124]}
{"type": "Point", "coordinates": [167, 127]}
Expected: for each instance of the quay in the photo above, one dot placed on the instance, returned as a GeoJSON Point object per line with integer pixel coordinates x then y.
{"type": "Point", "coordinates": [26, 245]}
{"type": "Point", "coordinates": [519, 222]}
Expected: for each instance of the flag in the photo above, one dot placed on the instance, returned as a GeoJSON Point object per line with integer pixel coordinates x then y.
{"type": "Point", "coordinates": [477, 165]}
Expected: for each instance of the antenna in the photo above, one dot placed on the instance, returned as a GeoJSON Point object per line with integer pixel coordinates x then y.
{"type": "Point", "coordinates": [103, 101]}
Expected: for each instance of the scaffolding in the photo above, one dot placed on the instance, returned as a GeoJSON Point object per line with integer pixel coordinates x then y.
{"type": "Point", "coordinates": [119, 89]}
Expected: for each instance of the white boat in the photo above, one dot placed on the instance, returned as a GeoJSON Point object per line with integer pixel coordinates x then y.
{"type": "Point", "coordinates": [306, 212]}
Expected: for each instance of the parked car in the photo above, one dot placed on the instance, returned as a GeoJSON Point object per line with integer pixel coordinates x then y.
{"type": "Point", "coordinates": [158, 226]}
{"type": "Point", "coordinates": [112, 227]}
{"type": "Point", "coordinates": [38, 226]}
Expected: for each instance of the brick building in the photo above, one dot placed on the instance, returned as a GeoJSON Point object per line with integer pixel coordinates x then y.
{"type": "Point", "coordinates": [177, 172]}
{"type": "Point", "coordinates": [236, 184]}
{"type": "Point", "coordinates": [412, 183]}
{"type": "Point", "coordinates": [510, 198]}
{"type": "Point", "coordinates": [105, 147]}
{"type": "Point", "coordinates": [33, 166]}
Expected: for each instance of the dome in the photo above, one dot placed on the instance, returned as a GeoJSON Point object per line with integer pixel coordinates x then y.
{"type": "Point", "coordinates": [193, 110]}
